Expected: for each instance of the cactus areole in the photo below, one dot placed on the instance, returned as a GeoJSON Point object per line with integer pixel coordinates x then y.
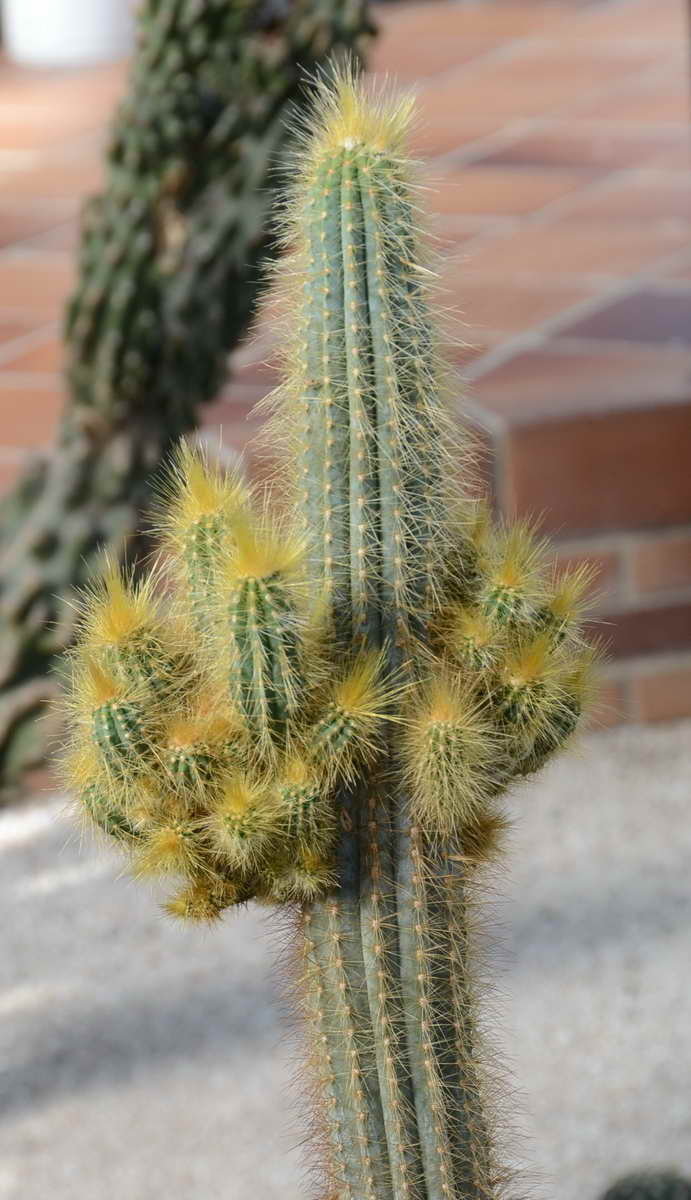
{"type": "Point", "coordinates": [329, 713]}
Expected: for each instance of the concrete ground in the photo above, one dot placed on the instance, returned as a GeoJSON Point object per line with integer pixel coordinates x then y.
{"type": "Point", "coordinates": [142, 1061]}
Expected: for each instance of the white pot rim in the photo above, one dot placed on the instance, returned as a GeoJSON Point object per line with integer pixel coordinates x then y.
{"type": "Point", "coordinates": [67, 32]}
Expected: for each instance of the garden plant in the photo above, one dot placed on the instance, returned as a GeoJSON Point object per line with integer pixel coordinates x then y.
{"type": "Point", "coordinates": [650, 1185]}
{"type": "Point", "coordinates": [322, 691]}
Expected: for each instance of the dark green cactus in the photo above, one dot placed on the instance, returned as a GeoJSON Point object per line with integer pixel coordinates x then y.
{"type": "Point", "coordinates": [650, 1185]}
{"type": "Point", "coordinates": [106, 815]}
{"type": "Point", "coordinates": [262, 629]}
{"type": "Point", "coordinates": [118, 731]}
{"type": "Point", "coordinates": [377, 664]}
{"type": "Point", "coordinates": [169, 266]}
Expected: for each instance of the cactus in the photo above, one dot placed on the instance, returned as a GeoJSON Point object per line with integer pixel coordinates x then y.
{"type": "Point", "coordinates": [169, 266]}
{"type": "Point", "coordinates": [375, 663]}
{"type": "Point", "coordinates": [650, 1185]}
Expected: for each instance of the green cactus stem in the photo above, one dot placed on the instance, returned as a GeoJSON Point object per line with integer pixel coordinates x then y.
{"type": "Point", "coordinates": [106, 815]}
{"type": "Point", "coordinates": [265, 671]}
{"type": "Point", "coordinates": [650, 1185]}
{"type": "Point", "coordinates": [400, 1075]}
{"type": "Point", "coordinates": [118, 732]}
{"type": "Point", "coordinates": [393, 666]}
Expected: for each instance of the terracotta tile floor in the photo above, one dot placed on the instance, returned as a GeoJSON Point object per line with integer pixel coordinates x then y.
{"type": "Point", "coordinates": [555, 140]}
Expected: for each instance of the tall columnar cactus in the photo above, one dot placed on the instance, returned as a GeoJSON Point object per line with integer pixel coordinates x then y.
{"type": "Point", "coordinates": [169, 268]}
{"type": "Point", "coordinates": [329, 712]}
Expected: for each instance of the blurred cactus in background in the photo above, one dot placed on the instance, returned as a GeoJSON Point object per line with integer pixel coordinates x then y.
{"type": "Point", "coordinates": [327, 705]}
{"type": "Point", "coordinates": [650, 1185]}
{"type": "Point", "coordinates": [168, 274]}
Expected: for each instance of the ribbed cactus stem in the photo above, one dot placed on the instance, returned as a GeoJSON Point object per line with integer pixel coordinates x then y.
{"type": "Point", "coordinates": [265, 673]}
{"type": "Point", "coordinates": [118, 731]}
{"type": "Point", "coordinates": [106, 815]}
{"type": "Point", "coordinates": [402, 1078]}
{"type": "Point", "coordinates": [304, 811]}
{"type": "Point", "coordinates": [364, 678]}
{"type": "Point", "coordinates": [145, 664]}
{"type": "Point", "coordinates": [201, 546]}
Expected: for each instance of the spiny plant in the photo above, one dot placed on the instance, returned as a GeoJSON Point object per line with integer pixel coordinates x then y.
{"type": "Point", "coordinates": [169, 269]}
{"type": "Point", "coordinates": [327, 707]}
{"type": "Point", "coordinates": [650, 1185]}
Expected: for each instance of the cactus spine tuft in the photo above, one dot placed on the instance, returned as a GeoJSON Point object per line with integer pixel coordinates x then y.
{"type": "Point", "coordinates": [375, 669]}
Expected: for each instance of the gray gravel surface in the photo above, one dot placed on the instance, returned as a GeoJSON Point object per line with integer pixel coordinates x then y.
{"type": "Point", "coordinates": [143, 1061]}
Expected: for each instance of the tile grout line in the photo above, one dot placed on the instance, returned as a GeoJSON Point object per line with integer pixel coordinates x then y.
{"type": "Point", "coordinates": [542, 332]}
{"type": "Point", "coordinates": [27, 341]}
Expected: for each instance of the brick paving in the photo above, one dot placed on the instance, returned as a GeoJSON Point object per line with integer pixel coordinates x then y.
{"type": "Point", "coordinates": [555, 143]}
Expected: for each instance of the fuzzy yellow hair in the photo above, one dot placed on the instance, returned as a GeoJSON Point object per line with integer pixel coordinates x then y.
{"type": "Point", "coordinates": [349, 112]}
{"type": "Point", "coordinates": [530, 662]}
{"type": "Point", "coordinates": [197, 488]}
{"type": "Point", "coordinates": [173, 846]}
{"type": "Point", "coordinates": [116, 608]}
{"type": "Point", "coordinates": [448, 751]}
{"type": "Point", "coordinates": [518, 559]}
{"type": "Point", "coordinates": [97, 684]}
{"type": "Point", "coordinates": [262, 545]}
{"type": "Point", "coordinates": [570, 590]}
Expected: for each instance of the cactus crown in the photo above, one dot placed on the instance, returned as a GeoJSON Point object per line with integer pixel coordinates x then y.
{"type": "Point", "coordinates": [329, 707]}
